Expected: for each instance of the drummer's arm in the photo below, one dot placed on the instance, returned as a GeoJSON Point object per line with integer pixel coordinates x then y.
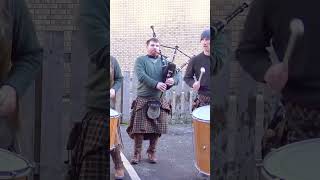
{"type": "Point", "coordinates": [188, 77]}
{"type": "Point", "coordinates": [142, 76]}
{"type": "Point", "coordinates": [219, 53]}
{"type": "Point", "coordinates": [118, 78]}
{"type": "Point", "coordinates": [251, 53]}
{"type": "Point", "coordinates": [94, 23]}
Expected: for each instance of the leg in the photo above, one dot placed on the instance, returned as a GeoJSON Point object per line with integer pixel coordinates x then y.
{"type": "Point", "coordinates": [115, 154]}
{"type": "Point", "coordinates": [138, 139]}
{"type": "Point", "coordinates": [152, 148]}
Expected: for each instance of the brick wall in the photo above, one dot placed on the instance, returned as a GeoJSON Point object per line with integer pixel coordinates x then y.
{"type": "Point", "coordinates": [178, 22]}
{"type": "Point", "coordinates": [56, 15]}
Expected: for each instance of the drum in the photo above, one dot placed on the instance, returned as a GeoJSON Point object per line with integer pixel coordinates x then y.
{"type": "Point", "coordinates": [114, 124]}
{"type": "Point", "coordinates": [201, 125]}
{"type": "Point", "coordinates": [296, 161]}
{"type": "Point", "coordinates": [13, 166]}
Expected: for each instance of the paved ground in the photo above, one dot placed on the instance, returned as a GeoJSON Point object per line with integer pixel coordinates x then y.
{"type": "Point", "coordinates": [175, 156]}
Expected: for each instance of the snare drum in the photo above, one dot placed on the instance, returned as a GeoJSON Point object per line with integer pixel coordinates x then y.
{"type": "Point", "coordinates": [13, 166]}
{"type": "Point", "coordinates": [114, 124]}
{"type": "Point", "coordinates": [296, 161]}
{"type": "Point", "coordinates": [201, 125]}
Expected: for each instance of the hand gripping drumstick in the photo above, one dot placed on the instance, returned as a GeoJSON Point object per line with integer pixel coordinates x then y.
{"type": "Point", "coordinates": [202, 71]}
{"type": "Point", "coordinates": [297, 29]}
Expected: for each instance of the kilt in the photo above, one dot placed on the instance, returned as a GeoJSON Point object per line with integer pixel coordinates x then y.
{"type": "Point", "coordinates": [200, 101]}
{"type": "Point", "coordinates": [303, 123]}
{"type": "Point", "coordinates": [297, 124]}
{"type": "Point", "coordinates": [91, 153]}
{"type": "Point", "coordinates": [140, 123]}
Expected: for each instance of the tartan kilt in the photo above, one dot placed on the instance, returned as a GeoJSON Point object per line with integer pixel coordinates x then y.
{"type": "Point", "coordinates": [91, 154]}
{"type": "Point", "coordinates": [298, 124]}
{"type": "Point", "coordinates": [303, 123]}
{"type": "Point", "coordinates": [200, 101]}
{"type": "Point", "coordinates": [140, 123]}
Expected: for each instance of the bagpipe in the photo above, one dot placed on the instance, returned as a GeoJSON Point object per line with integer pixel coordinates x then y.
{"type": "Point", "coordinates": [218, 26]}
{"type": "Point", "coordinates": [169, 68]}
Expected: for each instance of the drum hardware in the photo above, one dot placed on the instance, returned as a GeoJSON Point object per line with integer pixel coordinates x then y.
{"type": "Point", "coordinates": [204, 148]}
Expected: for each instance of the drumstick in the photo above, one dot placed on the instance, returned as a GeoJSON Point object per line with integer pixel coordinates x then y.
{"type": "Point", "coordinates": [297, 29]}
{"type": "Point", "coordinates": [202, 70]}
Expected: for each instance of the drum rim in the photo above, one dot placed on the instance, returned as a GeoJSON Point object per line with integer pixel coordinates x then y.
{"type": "Point", "coordinates": [199, 119]}
{"type": "Point", "coordinates": [18, 172]}
{"type": "Point", "coordinates": [115, 116]}
{"type": "Point", "coordinates": [202, 172]}
{"type": "Point", "coordinates": [283, 148]}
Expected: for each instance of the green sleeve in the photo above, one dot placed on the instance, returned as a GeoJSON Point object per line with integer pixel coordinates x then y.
{"type": "Point", "coordinates": [142, 75]}
{"type": "Point", "coordinates": [118, 78]}
{"type": "Point", "coordinates": [94, 23]}
{"type": "Point", "coordinates": [27, 54]}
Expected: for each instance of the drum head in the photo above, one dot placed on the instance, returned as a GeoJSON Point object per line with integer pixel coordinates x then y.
{"type": "Point", "coordinates": [295, 161]}
{"type": "Point", "coordinates": [12, 164]}
{"type": "Point", "coordinates": [114, 113]}
{"type": "Point", "coordinates": [202, 113]}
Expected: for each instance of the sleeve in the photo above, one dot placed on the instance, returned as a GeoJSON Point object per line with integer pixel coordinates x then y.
{"type": "Point", "coordinates": [118, 78]}
{"type": "Point", "coordinates": [219, 53]}
{"type": "Point", "coordinates": [252, 53]}
{"type": "Point", "coordinates": [188, 77]}
{"type": "Point", "coordinates": [142, 75]}
{"type": "Point", "coordinates": [27, 55]}
{"type": "Point", "coordinates": [94, 24]}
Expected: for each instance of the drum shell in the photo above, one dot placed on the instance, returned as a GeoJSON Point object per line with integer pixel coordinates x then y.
{"type": "Point", "coordinates": [114, 123]}
{"type": "Point", "coordinates": [202, 145]}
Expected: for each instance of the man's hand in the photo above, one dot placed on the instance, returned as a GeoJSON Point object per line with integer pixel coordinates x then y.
{"type": "Point", "coordinates": [196, 86]}
{"type": "Point", "coordinates": [8, 100]}
{"type": "Point", "coordinates": [112, 93]}
{"type": "Point", "coordinates": [277, 76]}
{"type": "Point", "coordinates": [169, 82]}
{"type": "Point", "coordinates": [161, 86]}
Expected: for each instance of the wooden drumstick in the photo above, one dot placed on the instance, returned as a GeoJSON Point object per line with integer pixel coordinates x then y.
{"type": "Point", "coordinates": [297, 29]}
{"type": "Point", "coordinates": [202, 71]}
